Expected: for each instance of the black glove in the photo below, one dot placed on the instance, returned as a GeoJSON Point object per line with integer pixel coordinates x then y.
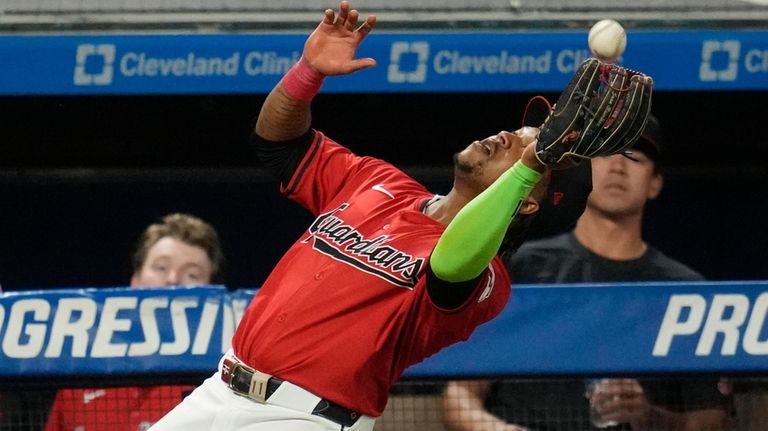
{"type": "Point", "coordinates": [602, 111]}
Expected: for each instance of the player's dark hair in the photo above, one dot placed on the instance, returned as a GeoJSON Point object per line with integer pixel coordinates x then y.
{"type": "Point", "coordinates": [517, 234]}
{"type": "Point", "coordinates": [560, 205]}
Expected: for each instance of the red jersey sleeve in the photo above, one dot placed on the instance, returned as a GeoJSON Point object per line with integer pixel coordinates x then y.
{"type": "Point", "coordinates": [326, 168]}
{"type": "Point", "coordinates": [436, 328]}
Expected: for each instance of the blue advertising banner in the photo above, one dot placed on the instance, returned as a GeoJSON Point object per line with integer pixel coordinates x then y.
{"type": "Point", "coordinates": [608, 328]}
{"type": "Point", "coordinates": [544, 330]}
{"type": "Point", "coordinates": [407, 62]}
{"type": "Point", "coordinates": [117, 331]}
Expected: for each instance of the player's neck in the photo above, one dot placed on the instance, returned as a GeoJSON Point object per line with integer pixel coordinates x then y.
{"type": "Point", "coordinates": [444, 208]}
{"type": "Point", "coordinates": [615, 239]}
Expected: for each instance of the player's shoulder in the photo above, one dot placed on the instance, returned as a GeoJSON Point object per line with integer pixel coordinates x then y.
{"type": "Point", "coordinates": [386, 176]}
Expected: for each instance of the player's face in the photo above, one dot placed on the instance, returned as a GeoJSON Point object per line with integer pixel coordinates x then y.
{"type": "Point", "coordinates": [621, 187]}
{"type": "Point", "coordinates": [171, 262]}
{"type": "Point", "coordinates": [483, 161]}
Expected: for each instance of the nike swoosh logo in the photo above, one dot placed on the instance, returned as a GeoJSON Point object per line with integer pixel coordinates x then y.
{"type": "Point", "coordinates": [92, 395]}
{"type": "Point", "coordinates": [380, 188]}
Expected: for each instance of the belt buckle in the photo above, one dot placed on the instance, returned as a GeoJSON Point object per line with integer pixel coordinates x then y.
{"type": "Point", "coordinates": [258, 388]}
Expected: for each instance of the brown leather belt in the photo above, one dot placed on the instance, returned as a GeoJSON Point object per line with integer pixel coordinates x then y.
{"type": "Point", "coordinates": [245, 381]}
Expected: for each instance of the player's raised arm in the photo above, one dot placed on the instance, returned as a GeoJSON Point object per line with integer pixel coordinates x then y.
{"type": "Point", "coordinates": [329, 50]}
{"type": "Point", "coordinates": [473, 238]}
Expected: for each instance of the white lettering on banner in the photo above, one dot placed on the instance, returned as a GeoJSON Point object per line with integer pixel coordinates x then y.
{"type": "Point", "coordinates": [180, 326]}
{"type": "Point", "coordinates": [234, 311]}
{"type": "Point", "coordinates": [671, 326]}
{"type": "Point", "coordinates": [453, 62]}
{"type": "Point", "coordinates": [238, 308]}
{"type": "Point", "coordinates": [752, 343]}
{"type": "Point", "coordinates": [205, 328]}
{"type": "Point", "coordinates": [717, 323]}
{"type": "Point", "coordinates": [64, 326]}
{"type": "Point", "coordinates": [139, 64]}
{"type": "Point", "coordinates": [756, 61]}
{"type": "Point", "coordinates": [148, 320]}
{"type": "Point", "coordinates": [103, 347]}
{"type": "Point", "coordinates": [227, 327]}
{"type": "Point", "coordinates": [268, 63]}
{"type": "Point", "coordinates": [34, 333]}
{"type": "Point", "coordinates": [726, 317]}
{"type": "Point", "coordinates": [82, 327]}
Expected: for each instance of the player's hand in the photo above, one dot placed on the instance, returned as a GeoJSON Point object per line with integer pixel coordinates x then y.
{"type": "Point", "coordinates": [621, 400]}
{"type": "Point", "coordinates": [331, 48]}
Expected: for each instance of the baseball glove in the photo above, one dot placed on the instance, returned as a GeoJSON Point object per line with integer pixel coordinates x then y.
{"type": "Point", "coordinates": [602, 111]}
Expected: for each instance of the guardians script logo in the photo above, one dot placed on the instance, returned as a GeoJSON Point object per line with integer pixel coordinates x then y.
{"type": "Point", "coordinates": [343, 242]}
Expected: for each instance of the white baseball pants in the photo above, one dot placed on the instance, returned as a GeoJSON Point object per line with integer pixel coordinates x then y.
{"type": "Point", "coordinates": [215, 407]}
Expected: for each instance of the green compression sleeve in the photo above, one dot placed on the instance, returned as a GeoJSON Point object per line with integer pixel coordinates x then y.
{"type": "Point", "coordinates": [474, 236]}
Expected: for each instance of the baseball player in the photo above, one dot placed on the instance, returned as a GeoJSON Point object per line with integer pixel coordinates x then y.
{"type": "Point", "coordinates": [386, 275]}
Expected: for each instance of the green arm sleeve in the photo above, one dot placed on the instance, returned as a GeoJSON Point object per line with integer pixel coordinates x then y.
{"type": "Point", "coordinates": [474, 236]}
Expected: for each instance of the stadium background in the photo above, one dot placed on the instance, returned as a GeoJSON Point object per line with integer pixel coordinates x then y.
{"type": "Point", "coordinates": [81, 175]}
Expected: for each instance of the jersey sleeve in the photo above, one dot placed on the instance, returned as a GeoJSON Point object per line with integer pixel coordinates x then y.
{"type": "Point", "coordinates": [280, 159]}
{"type": "Point", "coordinates": [326, 169]}
{"type": "Point", "coordinates": [437, 327]}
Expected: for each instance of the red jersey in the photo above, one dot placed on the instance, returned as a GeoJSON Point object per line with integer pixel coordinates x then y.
{"type": "Point", "coordinates": [113, 409]}
{"type": "Point", "coordinates": [346, 309]}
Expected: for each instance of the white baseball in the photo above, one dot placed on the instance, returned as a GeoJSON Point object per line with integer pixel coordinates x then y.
{"type": "Point", "coordinates": [607, 40]}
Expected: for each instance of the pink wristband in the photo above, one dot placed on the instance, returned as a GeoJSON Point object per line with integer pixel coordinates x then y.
{"type": "Point", "coordinates": [302, 82]}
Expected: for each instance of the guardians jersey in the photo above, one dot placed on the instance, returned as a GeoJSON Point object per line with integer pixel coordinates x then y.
{"type": "Point", "coordinates": [113, 409]}
{"type": "Point", "coordinates": [346, 309]}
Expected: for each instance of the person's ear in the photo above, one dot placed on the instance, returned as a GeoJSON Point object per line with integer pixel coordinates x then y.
{"type": "Point", "coordinates": [657, 183]}
{"type": "Point", "coordinates": [135, 280]}
{"type": "Point", "coordinates": [529, 206]}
